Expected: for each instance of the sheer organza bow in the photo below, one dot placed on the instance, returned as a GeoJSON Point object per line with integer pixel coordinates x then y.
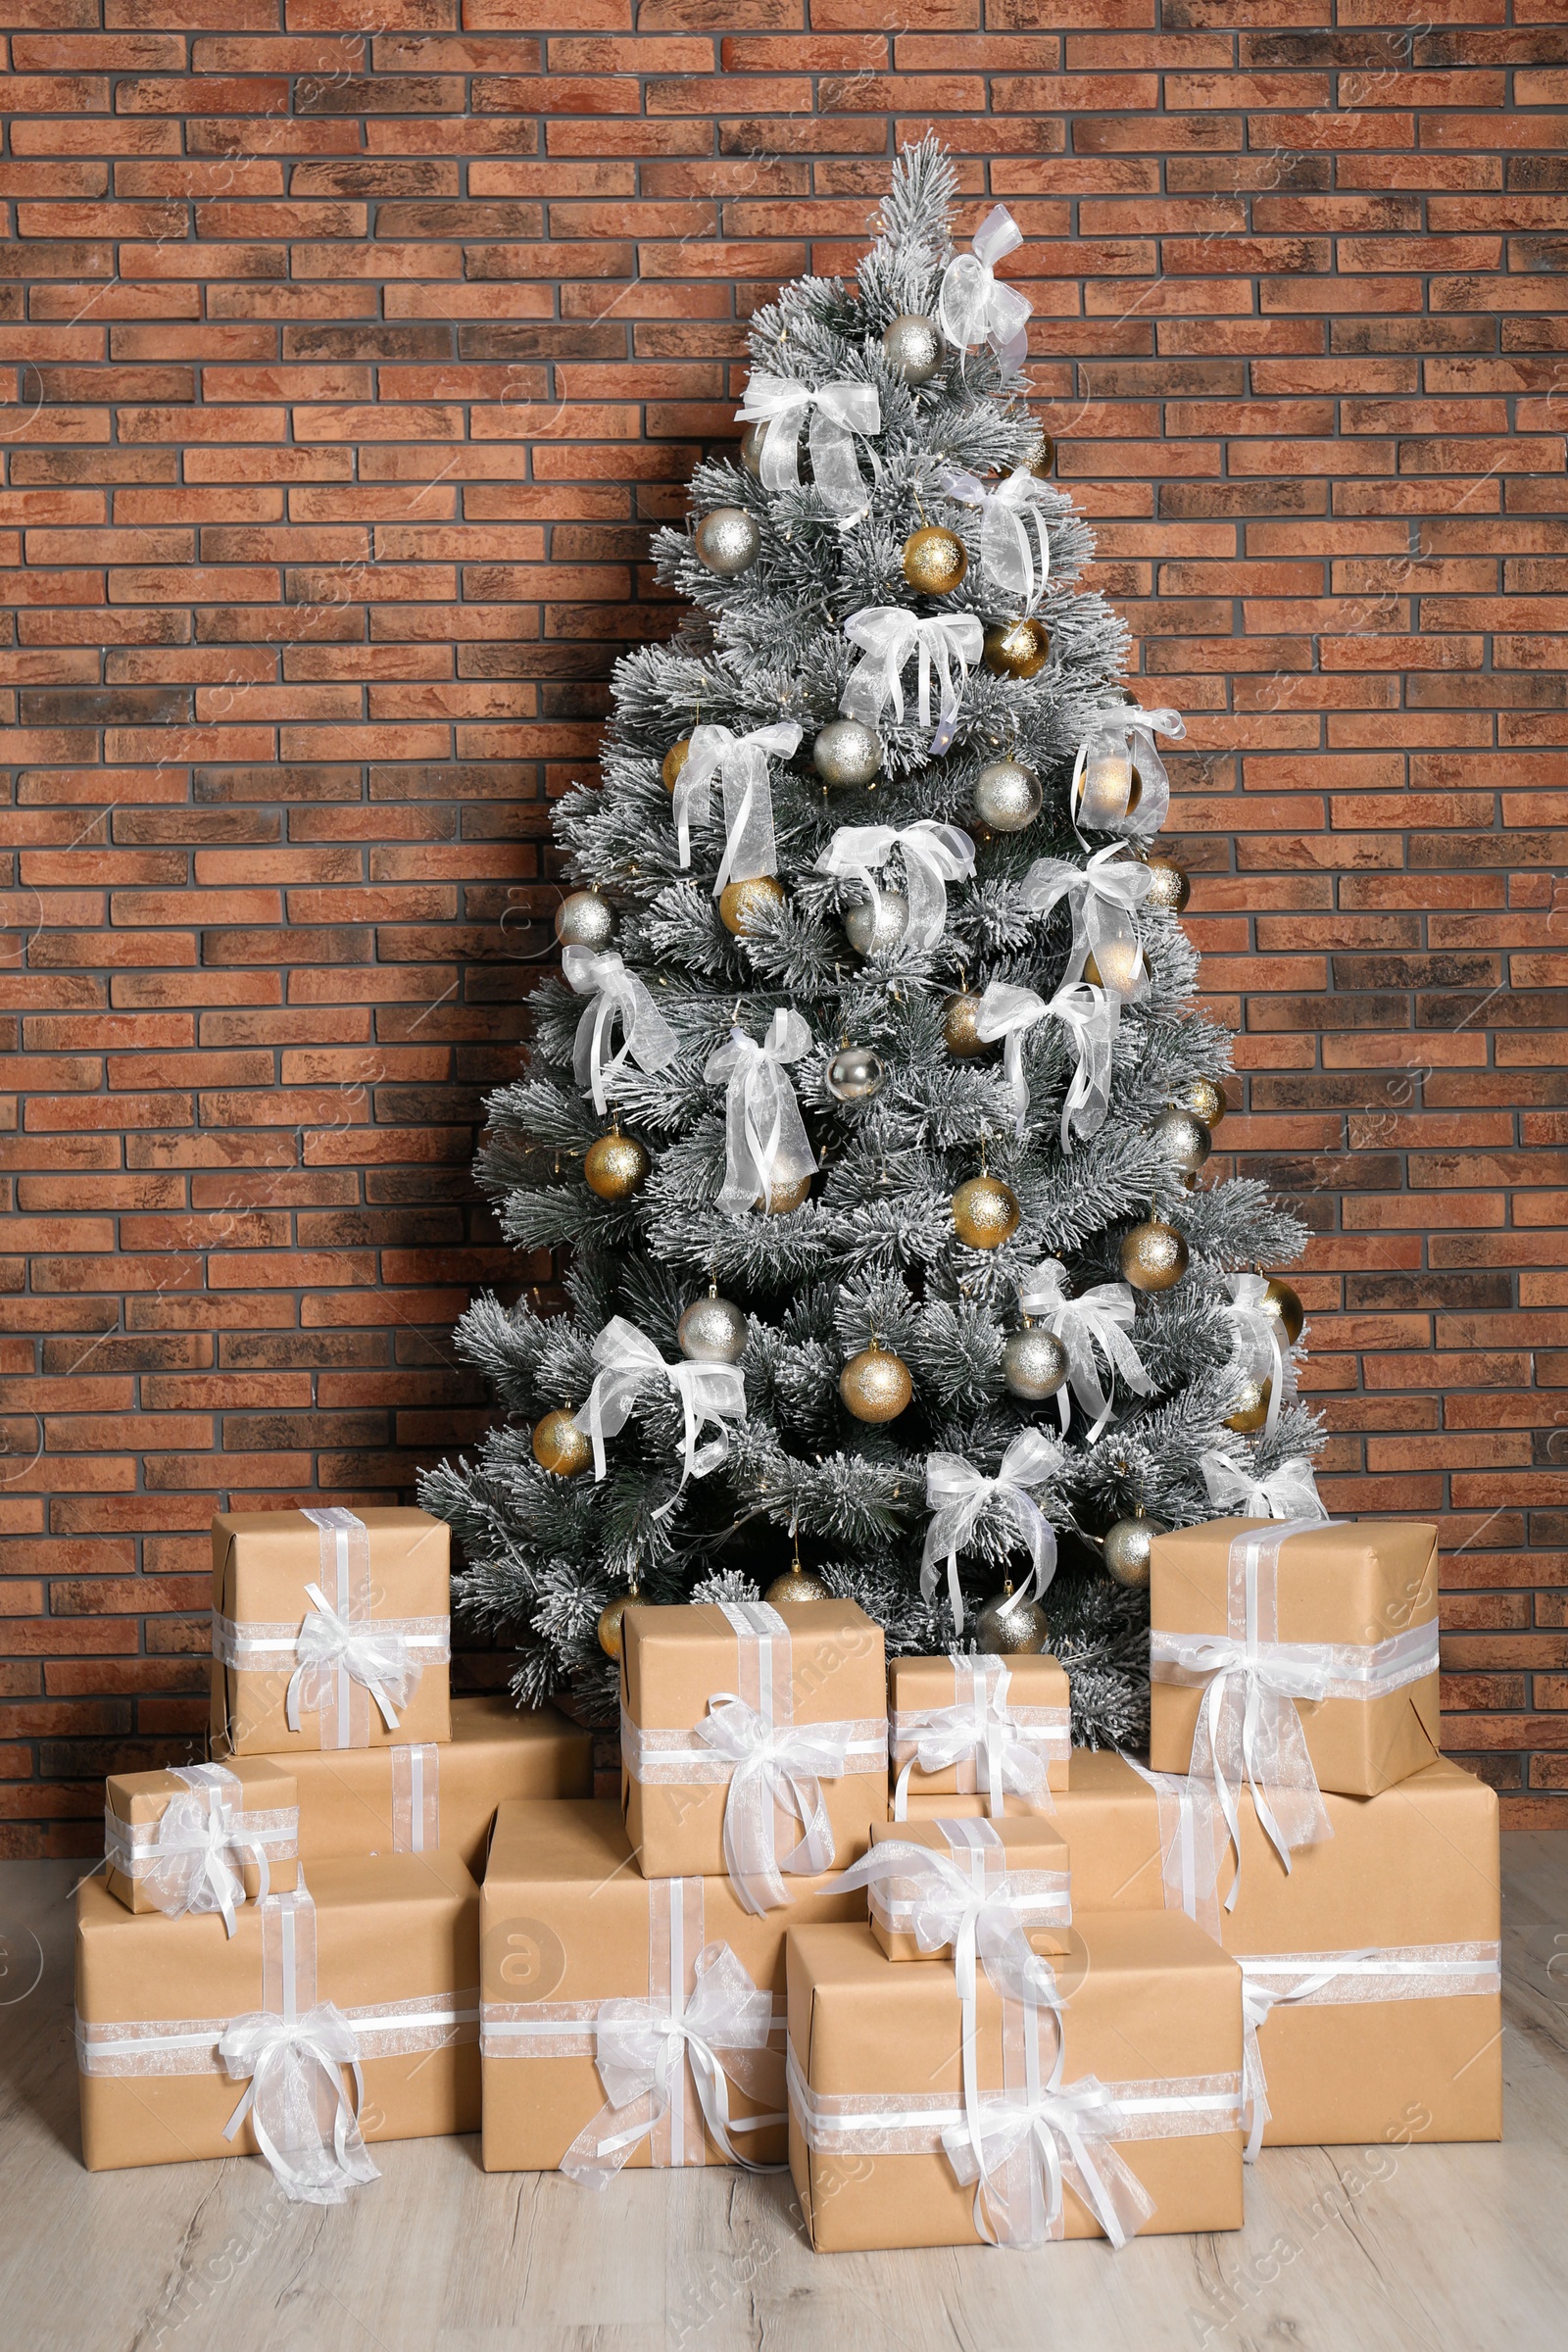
{"type": "Point", "coordinates": [957, 1494]}
{"type": "Point", "coordinates": [837, 412]}
{"type": "Point", "coordinates": [646, 1037]}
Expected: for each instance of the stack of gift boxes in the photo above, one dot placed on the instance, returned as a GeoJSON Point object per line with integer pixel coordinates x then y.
{"type": "Point", "coordinates": [876, 1923]}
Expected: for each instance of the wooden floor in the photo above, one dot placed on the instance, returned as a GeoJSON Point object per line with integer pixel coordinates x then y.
{"type": "Point", "coordinates": [1460, 2249]}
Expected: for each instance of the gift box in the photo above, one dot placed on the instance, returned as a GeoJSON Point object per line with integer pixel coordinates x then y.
{"type": "Point", "coordinates": [331, 1629]}
{"type": "Point", "coordinates": [1119, 1821]}
{"type": "Point", "coordinates": [1332, 1630]}
{"type": "Point", "coordinates": [966, 1725]}
{"type": "Point", "coordinates": [1122, 2118]}
{"type": "Point", "coordinates": [751, 1743]}
{"type": "Point", "coordinates": [193, 2044]}
{"type": "Point", "coordinates": [932, 1884]}
{"type": "Point", "coordinates": [416, 1799]}
{"type": "Point", "coordinates": [588, 1969]}
{"type": "Point", "coordinates": [201, 1837]}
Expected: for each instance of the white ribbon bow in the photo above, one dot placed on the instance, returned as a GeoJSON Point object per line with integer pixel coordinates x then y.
{"type": "Point", "coordinates": [1119, 740]}
{"type": "Point", "coordinates": [1091, 1017]}
{"type": "Point", "coordinates": [366, 1652]}
{"type": "Point", "coordinates": [934, 854]}
{"type": "Point", "coordinates": [740, 763]}
{"type": "Point", "coordinates": [706, 1391]}
{"type": "Point", "coordinates": [1005, 510]}
{"type": "Point", "coordinates": [192, 1867]}
{"type": "Point", "coordinates": [887, 635]}
{"type": "Point", "coordinates": [766, 1145]}
{"type": "Point", "coordinates": [1257, 1999]}
{"type": "Point", "coordinates": [1007, 1762]}
{"type": "Point", "coordinates": [1255, 1351]}
{"type": "Point", "coordinates": [1249, 1732]}
{"type": "Point", "coordinates": [956, 1494]}
{"type": "Point", "coordinates": [641, 2050]}
{"type": "Point", "coordinates": [775, 1765]}
{"type": "Point", "coordinates": [838, 412]}
{"type": "Point", "coordinates": [1100, 1317]}
{"type": "Point", "coordinates": [973, 308]}
{"type": "Point", "coordinates": [647, 1038]}
{"type": "Point", "coordinates": [295, 2066]}
{"type": "Point", "coordinates": [1066, 2134]}
{"type": "Point", "coordinates": [1102, 895]}
{"type": "Point", "coordinates": [1287, 1492]}
{"type": "Point", "coordinates": [947, 1906]}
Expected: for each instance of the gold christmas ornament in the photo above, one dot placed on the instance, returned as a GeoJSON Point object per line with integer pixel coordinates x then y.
{"type": "Point", "coordinates": [616, 1166]}
{"type": "Point", "coordinates": [728, 541]}
{"type": "Point", "coordinates": [1182, 1141]}
{"type": "Point", "coordinates": [559, 1445]}
{"type": "Point", "coordinates": [1034, 1363]}
{"type": "Point", "coordinates": [1011, 1626]}
{"type": "Point", "coordinates": [1169, 886]}
{"type": "Point", "coordinates": [743, 906]}
{"type": "Point", "coordinates": [878, 923]}
{"type": "Point", "coordinates": [1006, 795]}
{"type": "Point", "coordinates": [934, 560]}
{"type": "Point", "coordinates": [959, 1032]}
{"type": "Point", "coordinates": [1115, 966]}
{"type": "Point", "coordinates": [1205, 1099]}
{"type": "Point", "coordinates": [1127, 1547]}
{"type": "Point", "coordinates": [1251, 1407]}
{"type": "Point", "coordinates": [752, 448]}
{"type": "Point", "coordinates": [1045, 458]}
{"type": "Point", "coordinates": [1153, 1255]}
{"type": "Point", "coordinates": [875, 1385]}
{"type": "Point", "coordinates": [1018, 649]}
{"type": "Point", "coordinates": [610, 1617]}
{"type": "Point", "coordinates": [985, 1212]}
{"type": "Point", "coordinates": [712, 1331]}
{"type": "Point", "coordinates": [675, 761]}
{"type": "Point", "coordinates": [793, 1586]}
{"type": "Point", "coordinates": [1105, 785]}
{"type": "Point", "coordinates": [785, 1199]}
{"type": "Point", "coordinates": [584, 919]}
{"type": "Point", "coordinates": [1281, 1301]}
{"type": "Point", "coordinates": [913, 348]}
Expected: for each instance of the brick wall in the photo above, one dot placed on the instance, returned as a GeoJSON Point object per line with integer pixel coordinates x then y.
{"type": "Point", "coordinates": [347, 350]}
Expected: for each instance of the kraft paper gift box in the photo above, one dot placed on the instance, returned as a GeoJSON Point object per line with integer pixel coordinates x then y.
{"type": "Point", "coordinates": [391, 1945]}
{"type": "Point", "coordinates": [1149, 2085]}
{"type": "Point", "coordinates": [1114, 1820]}
{"type": "Point", "coordinates": [962, 1725]}
{"type": "Point", "coordinates": [587, 1965]}
{"type": "Point", "coordinates": [991, 1880]}
{"type": "Point", "coordinates": [733, 1715]}
{"type": "Point", "coordinates": [201, 1837]}
{"type": "Point", "coordinates": [331, 1629]}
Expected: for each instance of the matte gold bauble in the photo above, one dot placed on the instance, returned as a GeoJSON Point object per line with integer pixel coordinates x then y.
{"type": "Point", "coordinates": [985, 1212]}
{"type": "Point", "coordinates": [1281, 1301]}
{"type": "Point", "coordinates": [1018, 649]}
{"type": "Point", "coordinates": [1034, 1363]}
{"type": "Point", "coordinates": [959, 1033]}
{"type": "Point", "coordinates": [675, 761]}
{"type": "Point", "coordinates": [616, 1166]}
{"type": "Point", "coordinates": [846, 751]}
{"type": "Point", "coordinates": [752, 448]}
{"type": "Point", "coordinates": [584, 919]}
{"type": "Point", "coordinates": [1153, 1255]}
{"type": "Point", "coordinates": [1169, 886]}
{"type": "Point", "coordinates": [1044, 456]}
{"type": "Point", "coordinates": [934, 560]}
{"type": "Point", "coordinates": [728, 541]}
{"type": "Point", "coordinates": [1127, 1547]}
{"type": "Point", "coordinates": [610, 1617]}
{"type": "Point", "coordinates": [1205, 1099]}
{"type": "Point", "coordinates": [742, 905]}
{"type": "Point", "coordinates": [793, 1586]}
{"type": "Point", "coordinates": [875, 1385]}
{"type": "Point", "coordinates": [1182, 1141]}
{"type": "Point", "coordinates": [1011, 1626]}
{"type": "Point", "coordinates": [784, 1199]}
{"type": "Point", "coordinates": [913, 347]}
{"type": "Point", "coordinates": [1006, 795]}
{"type": "Point", "coordinates": [1116, 966]}
{"type": "Point", "coordinates": [559, 1445]}
{"type": "Point", "coordinates": [1251, 1407]}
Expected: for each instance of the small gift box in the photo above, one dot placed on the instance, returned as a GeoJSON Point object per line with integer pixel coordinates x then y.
{"type": "Point", "coordinates": [752, 1743]}
{"type": "Point", "coordinates": [342, 2012]}
{"type": "Point", "coordinates": [995, 1885]}
{"type": "Point", "coordinates": [973, 1725]}
{"type": "Point", "coordinates": [922, 2119]}
{"type": "Point", "coordinates": [627, 2021]}
{"type": "Point", "coordinates": [201, 1837]}
{"type": "Point", "coordinates": [331, 1629]}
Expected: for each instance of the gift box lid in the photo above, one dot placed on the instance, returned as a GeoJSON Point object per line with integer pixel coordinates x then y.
{"type": "Point", "coordinates": [1028, 1840]}
{"type": "Point", "coordinates": [675, 1658]}
{"type": "Point", "coordinates": [1346, 1581]}
{"type": "Point", "coordinates": [265, 1786]}
{"type": "Point", "coordinates": [261, 1561]}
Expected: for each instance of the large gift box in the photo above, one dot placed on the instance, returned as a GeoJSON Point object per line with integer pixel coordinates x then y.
{"type": "Point", "coordinates": [604, 1994]}
{"type": "Point", "coordinates": [1124, 2118]}
{"type": "Point", "coordinates": [194, 2043]}
{"type": "Point", "coordinates": [934, 1883]}
{"type": "Point", "coordinates": [201, 1837]}
{"type": "Point", "coordinates": [751, 1741]}
{"type": "Point", "coordinates": [967, 1724]}
{"type": "Point", "coordinates": [331, 1629]}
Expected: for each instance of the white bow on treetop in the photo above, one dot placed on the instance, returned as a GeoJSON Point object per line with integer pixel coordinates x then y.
{"type": "Point", "coordinates": [740, 763]}
{"type": "Point", "coordinates": [973, 306]}
{"type": "Point", "coordinates": [647, 1038]}
{"type": "Point", "coordinates": [766, 1143]}
{"type": "Point", "coordinates": [838, 412]}
{"type": "Point", "coordinates": [934, 855]}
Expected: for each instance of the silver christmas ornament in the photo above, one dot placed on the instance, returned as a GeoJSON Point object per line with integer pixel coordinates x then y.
{"type": "Point", "coordinates": [1006, 795]}
{"type": "Point", "coordinates": [751, 449]}
{"type": "Point", "coordinates": [1127, 1547]}
{"type": "Point", "coordinates": [711, 1331]}
{"type": "Point", "coordinates": [727, 541]}
{"type": "Point", "coordinates": [854, 1073]}
{"type": "Point", "coordinates": [1011, 1626]}
{"type": "Point", "coordinates": [846, 753]}
{"type": "Point", "coordinates": [913, 347]}
{"type": "Point", "coordinates": [1182, 1141]}
{"type": "Point", "coordinates": [585, 920]}
{"type": "Point", "coordinates": [1034, 1363]}
{"type": "Point", "coordinates": [879, 923]}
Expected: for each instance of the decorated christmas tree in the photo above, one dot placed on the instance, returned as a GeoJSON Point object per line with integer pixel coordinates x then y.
{"type": "Point", "coordinates": [869, 1110]}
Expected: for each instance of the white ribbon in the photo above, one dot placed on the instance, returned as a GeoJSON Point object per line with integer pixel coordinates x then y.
{"type": "Point", "coordinates": [369, 1654]}
{"type": "Point", "coordinates": [628, 1361]}
{"type": "Point", "coordinates": [934, 854]}
{"type": "Point", "coordinates": [1257, 1999]}
{"type": "Point", "coordinates": [295, 2068]}
{"type": "Point", "coordinates": [945, 1904]}
{"type": "Point", "coordinates": [199, 1844]}
{"type": "Point", "coordinates": [766, 1145]}
{"type": "Point", "coordinates": [740, 764]}
{"type": "Point", "coordinates": [957, 1494]}
{"type": "Point", "coordinates": [1008, 1750]}
{"type": "Point", "coordinates": [1123, 738]}
{"type": "Point", "coordinates": [973, 308]}
{"type": "Point", "coordinates": [887, 635]}
{"type": "Point", "coordinates": [641, 2049]}
{"type": "Point", "coordinates": [838, 412]}
{"type": "Point", "coordinates": [1101, 896]}
{"type": "Point", "coordinates": [775, 1765]}
{"type": "Point", "coordinates": [647, 1038]}
{"type": "Point", "coordinates": [1255, 1351]}
{"type": "Point", "coordinates": [1091, 1017]}
{"type": "Point", "coordinates": [1098, 1318]}
{"type": "Point", "coordinates": [1006, 510]}
{"type": "Point", "coordinates": [1287, 1492]}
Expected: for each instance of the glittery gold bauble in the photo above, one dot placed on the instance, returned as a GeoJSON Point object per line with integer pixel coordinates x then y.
{"type": "Point", "coordinates": [1205, 1099]}
{"type": "Point", "coordinates": [985, 1212]}
{"type": "Point", "coordinates": [615, 1167]}
{"type": "Point", "coordinates": [846, 753]}
{"type": "Point", "coordinates": [1127, 1547]}
{"type": "Point", "coordinates": [675, 761]}
{"type": "Point", "coordinates": [609, 1617]}
{"type": "Point", "coordinates": [1012, 1627]}
{"type": "Point", "coordinates": [913, 347]}
{"type": "Point", "coordinates": [1006, 795]}
{"type": "Point", "coordinates": [795, 1585]}
{"type": "Point", "coordinates": [1251, 1407]}
{"type": "Point", "coordinates": [1105, 784]}
{"type": "Point", "coordinates": [727, 541]}
{"type": "Point", "coordinates": [959, 1032]}
{"type": "Point", "coordinates": [752, 448]}
{"type": "Point", "coordinates": [1181, 1140]}
{"type": "Point", "coordinates": [1169, 886]}
{"type": "Point", "coordinates": [1034, 1363]}
{"type": "Point", "coordinates": [1045, 458]}
{"type": "Point", "coordinates": [559, 1445]}
{"type": "Point", "coordinates": [742, 903]}
{"type": "Point", "coordinates": [1281, 1301]}
{"type": "Point", "coordinates": [584, 919]}
{"type": "Point", "coordinates": [934, 560]}
{"type": "Point", "coordinates": [1153, 1255]}
{"type": "Point", "coordinates": [875, 1385]}
{"type": "Point", "coordinates": [1018, 649]}
{"type": "Point", "coordinates": [784, 1199]}
{"type": "Point", "coordinates": [1116, 966]}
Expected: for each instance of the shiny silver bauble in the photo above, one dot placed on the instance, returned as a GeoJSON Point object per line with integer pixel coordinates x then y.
{"type": "Point", "coordinates": [878, 923]}
{"type": "Point", "coordinates": [1034, 1363]}
{"type": "Point", "coordinates": [913, 348]}
{"type": "Point", "coordinates": [1127, 1547]}
{"type": "Point", "coordinates": [728, 540]}
{"type": "Point", "coordinates": [712, 1331]}
{"type": "Point", "coordinates": [585, 920]}
{"type": "Point", "coordinates": [846, 753]}
{"type": "Point", "coordinates": [1012, 1627]}
{"type": "Point", "coordinates": [854, 1073]}
{"type": "Point", "coordinates": [1006, 795]}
